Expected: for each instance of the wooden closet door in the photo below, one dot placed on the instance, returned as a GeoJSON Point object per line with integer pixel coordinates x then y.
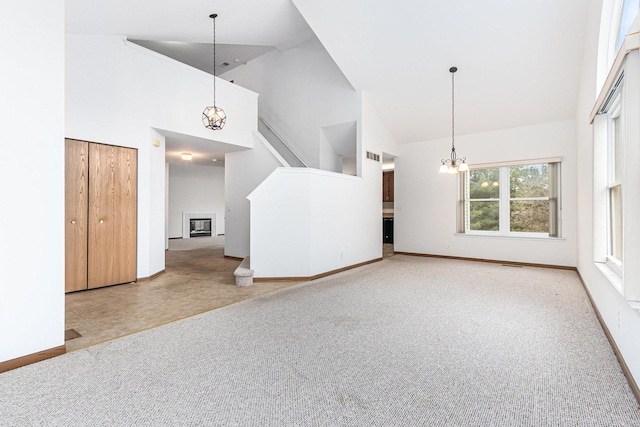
{"type": "Point", "coordinates": [76, 199]}
{"type": "Point", "coordinates": [112, 215]}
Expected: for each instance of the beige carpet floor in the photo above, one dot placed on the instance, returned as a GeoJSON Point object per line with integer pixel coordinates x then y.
{"type": "Point", "coordinates": [402, 342]}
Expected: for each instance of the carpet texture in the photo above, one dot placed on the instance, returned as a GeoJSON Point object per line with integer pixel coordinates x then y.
{"type": "Point", "coordinates": [403, 342]}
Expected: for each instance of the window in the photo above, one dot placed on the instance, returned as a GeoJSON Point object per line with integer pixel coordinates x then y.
{"type": "Point", "coordinates": [627, 15]}
{"type": "Point", "coordinates": [614, 189]}
{"type": "Point", "coordinates": [615, 24]}
{"type": "Point", "coordinates": [483, 203]}
{"type": "Point", "coordinates": [517, 199]}
{"type": "Point", "coordinates": [616, 152]}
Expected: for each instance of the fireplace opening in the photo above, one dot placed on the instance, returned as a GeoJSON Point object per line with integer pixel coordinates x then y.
{"type": "Point", "coordinates": [200, 227]}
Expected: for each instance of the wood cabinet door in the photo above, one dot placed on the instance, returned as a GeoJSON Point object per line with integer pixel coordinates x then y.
{"type": "Point", "coordinates": [76, 199]}
{"type": "Point", "coordinates": [387, 186]}
{"type": "Point", "coordinates": [112, 215]}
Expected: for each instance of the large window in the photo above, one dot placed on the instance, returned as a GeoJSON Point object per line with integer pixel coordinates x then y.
{"type": "Point", "coordinates": [616, 151]}
{"type": "Point", "coordinates": [517, 199]}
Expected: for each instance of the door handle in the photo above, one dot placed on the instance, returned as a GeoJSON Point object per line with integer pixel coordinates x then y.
{"type": "Point", "coordinates": [101, 221]}
{"type": "Point", "coordinates": [73, 221]}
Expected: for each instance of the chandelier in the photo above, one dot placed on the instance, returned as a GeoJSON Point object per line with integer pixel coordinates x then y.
{"type": "Point", "coordinates": [453, 164]}
{"type": "Point", "coordinates": [214, 117]}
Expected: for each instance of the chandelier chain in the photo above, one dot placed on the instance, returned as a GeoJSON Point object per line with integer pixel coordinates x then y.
{"type": "Point", "coordinates": [453, 164]}
{"type": "Point", "coordinates": [214, 61]}
{"type": "Point", "coordinates": [453, 111]}
{"type": "Point", "coordinates": [214, 118]}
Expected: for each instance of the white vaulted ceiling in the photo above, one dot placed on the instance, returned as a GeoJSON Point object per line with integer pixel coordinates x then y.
{"type": "Point", "coordinates": [244, 22]}
{"type": "Point", "coordinates": [518, 60]}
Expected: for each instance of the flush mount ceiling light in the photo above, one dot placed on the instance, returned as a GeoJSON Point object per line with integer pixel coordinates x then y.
{"type": "Point", "coordinates": [186, 156]}
{"type": "Point", "coordinates": [453, 164]}
{"type": "Point", "coordinates": [214, 117]}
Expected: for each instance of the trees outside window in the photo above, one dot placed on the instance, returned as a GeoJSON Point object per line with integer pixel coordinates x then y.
{"type": "Point", "coordinates": [511, 199]}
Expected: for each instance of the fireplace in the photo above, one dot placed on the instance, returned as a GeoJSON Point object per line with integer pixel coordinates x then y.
{"type": "Point", "coordinates": [200, 227]}
{"type": "Point", "coordinates": [198, 224]}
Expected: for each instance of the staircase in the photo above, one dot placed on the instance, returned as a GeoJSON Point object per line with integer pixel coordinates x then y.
{"type": "Point", "coordinates": [286, 152]}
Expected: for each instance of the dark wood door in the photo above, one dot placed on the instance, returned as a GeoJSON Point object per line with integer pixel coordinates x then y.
{"type": "Point", "coordinates": [112, 215]}
{"type": "Point", "coordinates": [76, 204]}
{"type": "Point", "coordinates": [387, 186]}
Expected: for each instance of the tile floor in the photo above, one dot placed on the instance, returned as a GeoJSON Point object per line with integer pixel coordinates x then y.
{"type": "Point", "coordinates": [198, 278]}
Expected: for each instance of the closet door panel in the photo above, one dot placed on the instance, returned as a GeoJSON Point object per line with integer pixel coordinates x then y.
{"type": "Point", "coordinates": [112, 215]}
{"type": "Point", "coordinates": [76, 199]}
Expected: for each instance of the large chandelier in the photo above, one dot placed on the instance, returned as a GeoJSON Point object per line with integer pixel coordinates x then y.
{"type": "Point", "coordinates": [453, 164]}
{"type": "Point", "coordinates": [214, 117]}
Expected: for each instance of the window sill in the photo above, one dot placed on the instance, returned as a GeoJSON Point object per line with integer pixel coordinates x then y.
{"type": "Point", "coordinates": [510, 237]}
{"type": "Point", "coordinates": [611, 275]}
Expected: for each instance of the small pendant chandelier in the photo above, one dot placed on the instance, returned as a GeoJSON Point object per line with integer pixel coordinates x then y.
{"type": "Point", "coordinates": [214, 117]}
{"type": "Point", "coordinates": [453, 164]}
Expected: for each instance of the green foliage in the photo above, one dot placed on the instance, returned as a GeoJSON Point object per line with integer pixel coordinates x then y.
{"type": "Point", "coordinates": [530, 181]}
{"type": "Point", "coordinates": [530, 216]}
{"type": "Point", "coordinates": [484, 183]}
{"type": "Point", "coordinates": [484, 216]}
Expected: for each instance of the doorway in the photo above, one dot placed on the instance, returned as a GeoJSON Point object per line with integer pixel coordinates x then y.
{"type": "Point", "coordinates": [388, 206]}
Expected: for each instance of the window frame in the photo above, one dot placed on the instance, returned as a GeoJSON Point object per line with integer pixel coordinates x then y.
{"type": "Point", "coordinates": [618, 76]}
{"type": "Point", "coordinates": [504, 229]}
{"type": "Point", "coordinates": [614, 179]}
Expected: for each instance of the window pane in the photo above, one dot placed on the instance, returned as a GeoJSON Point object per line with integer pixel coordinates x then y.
{"type": "Point", "coordinates": [484, 183]}
{"type": "Point", "coordinates": [484, 216]}
{"type": "Point", "coordinates": [615, 205]}
{"type": "Point", "coordinates": [629, 12]}
{"type": "Point", "coordinates": [617, 148]}
{"type": "Point", "coordinates": [529, 181]}
{"type": "Point", "coordinates": [529, 216]}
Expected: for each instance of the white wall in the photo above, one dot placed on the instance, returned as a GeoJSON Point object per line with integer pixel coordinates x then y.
{"type": "Point", "coordinates": [32, 177]}
{"type": "Point", "coordinates": [117, 91]}
{"type": "Point", "coordinates": [425, 201]}
{"type": "Point", "coordinates": [166, 206]}
{"type": "Point", "coordinates": [244, 170]}
{"type": "Point", "coordinates": [154, 204]}
{"type": "Point", "coordinates": [195, 188]}
{"type": "Point", "coordinates": [301, 90]}
{"type": "Point", "coordinates": [306, 222]}
{"type": "Point", "coordinates": [328, 159]}
{"type": "Point", "coordinates": [374, 133]}
{"type": "Point", "coordinates": [622, 321]}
